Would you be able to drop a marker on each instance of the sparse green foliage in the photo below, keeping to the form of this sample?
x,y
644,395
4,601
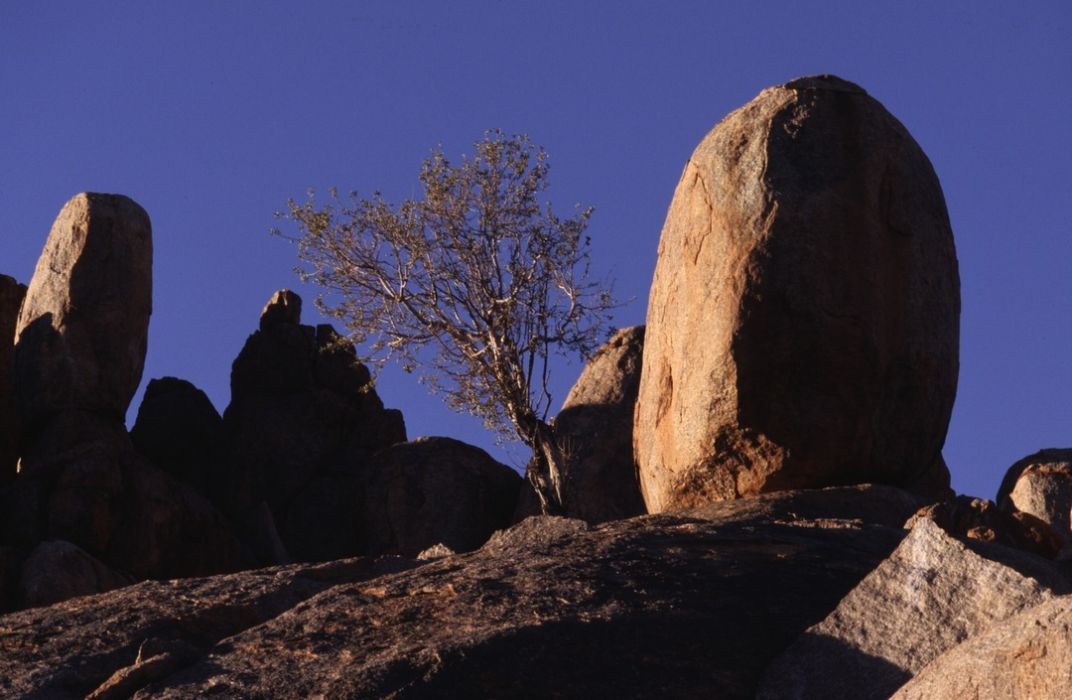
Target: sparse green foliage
x,y
473,286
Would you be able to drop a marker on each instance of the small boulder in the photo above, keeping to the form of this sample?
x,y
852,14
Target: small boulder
x,y
179,430
802,327
595,425
898,619
56,570
284,307
82,331
980,519
1028,655
1041,485
11,294
435,490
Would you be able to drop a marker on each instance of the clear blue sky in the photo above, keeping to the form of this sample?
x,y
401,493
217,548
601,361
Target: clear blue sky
x,y
211,114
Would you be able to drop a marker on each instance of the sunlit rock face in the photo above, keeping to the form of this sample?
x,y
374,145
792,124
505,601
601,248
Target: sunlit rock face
x,y
83,329
802,327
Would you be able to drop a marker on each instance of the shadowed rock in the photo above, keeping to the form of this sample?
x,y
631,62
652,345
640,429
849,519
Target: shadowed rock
x,y
11,294
596,423
303,419
179,430
58,570
802,327
435,490
86,484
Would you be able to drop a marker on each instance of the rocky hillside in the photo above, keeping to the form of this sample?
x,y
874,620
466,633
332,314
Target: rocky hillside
x,y
758,502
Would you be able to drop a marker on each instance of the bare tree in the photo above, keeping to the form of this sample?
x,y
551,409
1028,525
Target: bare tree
x,y
473,286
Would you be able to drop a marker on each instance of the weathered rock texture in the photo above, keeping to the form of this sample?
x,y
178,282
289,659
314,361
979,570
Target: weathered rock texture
x,y
980,519
803,320
70,649
304,417
11,294
928,596
1026,656
83,327
434,490
596,425
657,606
1041,485
58,570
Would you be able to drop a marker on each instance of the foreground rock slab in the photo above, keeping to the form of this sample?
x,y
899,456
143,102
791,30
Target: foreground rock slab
x,y
807,255
70,649
1026,656
656,606
932,593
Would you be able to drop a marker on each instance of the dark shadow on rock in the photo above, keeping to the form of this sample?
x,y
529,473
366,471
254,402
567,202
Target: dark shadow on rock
x,y
843,661
37,386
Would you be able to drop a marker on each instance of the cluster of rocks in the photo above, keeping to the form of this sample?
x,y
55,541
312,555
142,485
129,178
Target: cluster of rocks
x,y
304,465
758,502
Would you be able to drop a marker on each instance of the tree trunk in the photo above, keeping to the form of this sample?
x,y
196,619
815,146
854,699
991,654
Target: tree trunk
x,y
544,470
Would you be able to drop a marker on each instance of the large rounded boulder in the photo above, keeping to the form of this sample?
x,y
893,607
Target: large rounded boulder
x,y
802,327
